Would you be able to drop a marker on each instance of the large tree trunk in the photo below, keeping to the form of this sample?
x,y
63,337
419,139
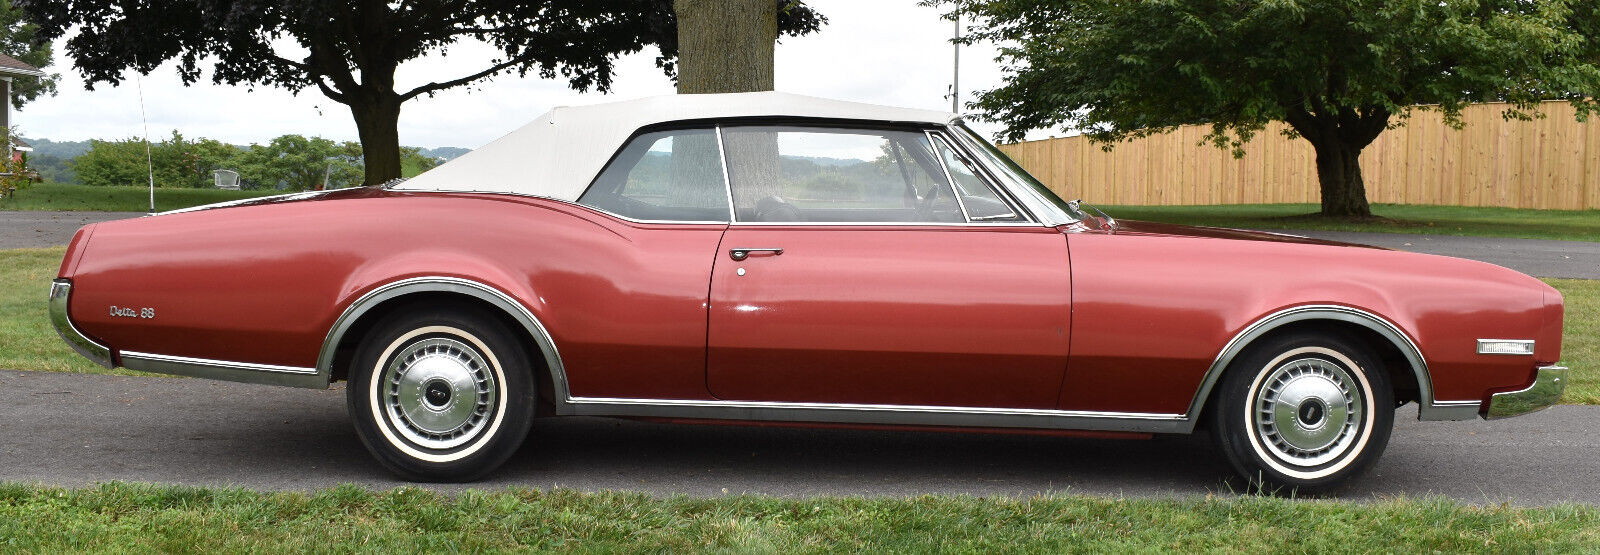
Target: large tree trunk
x,y
378,122
725,45
1344,193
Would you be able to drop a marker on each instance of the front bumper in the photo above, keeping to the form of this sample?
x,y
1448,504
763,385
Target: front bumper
x,y
60,292
1545,391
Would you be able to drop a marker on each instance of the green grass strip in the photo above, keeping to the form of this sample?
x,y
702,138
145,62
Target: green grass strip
x,y
143,518
60,196
1570,225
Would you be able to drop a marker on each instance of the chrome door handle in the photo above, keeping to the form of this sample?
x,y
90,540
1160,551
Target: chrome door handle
x,y
743,253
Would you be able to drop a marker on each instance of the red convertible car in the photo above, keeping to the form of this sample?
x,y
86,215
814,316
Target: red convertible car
x,y
768,257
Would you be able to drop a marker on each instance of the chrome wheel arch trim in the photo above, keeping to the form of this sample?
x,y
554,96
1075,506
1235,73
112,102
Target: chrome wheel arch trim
x,y
1429,408
442,284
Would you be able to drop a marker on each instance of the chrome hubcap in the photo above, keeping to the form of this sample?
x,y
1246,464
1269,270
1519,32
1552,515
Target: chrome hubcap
x,y
438,392
1306,412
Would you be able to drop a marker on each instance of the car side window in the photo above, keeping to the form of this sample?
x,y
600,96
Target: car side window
x,y
983,204
664,175
794,174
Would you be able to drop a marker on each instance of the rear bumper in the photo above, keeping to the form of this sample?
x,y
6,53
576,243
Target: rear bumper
x,y
1545,391
60,293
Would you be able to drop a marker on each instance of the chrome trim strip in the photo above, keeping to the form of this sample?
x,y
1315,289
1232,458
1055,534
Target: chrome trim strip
x,y
1544,391
891,224
251,366
1521,342
60,299
924,415
1040,209
225,370
1429,409
709,222
999,191
1454,410
230,203
443,284
933,149
727,180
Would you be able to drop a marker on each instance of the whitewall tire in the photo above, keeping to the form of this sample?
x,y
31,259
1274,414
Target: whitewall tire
x,y
441,394
1303,412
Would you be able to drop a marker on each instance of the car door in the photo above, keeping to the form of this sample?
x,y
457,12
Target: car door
x,y
854,274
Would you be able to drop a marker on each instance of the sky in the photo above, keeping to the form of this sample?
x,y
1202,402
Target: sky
x,y
890,52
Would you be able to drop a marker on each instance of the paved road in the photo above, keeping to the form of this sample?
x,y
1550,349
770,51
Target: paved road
x,y
71,430
1537,257
29,228
1543,258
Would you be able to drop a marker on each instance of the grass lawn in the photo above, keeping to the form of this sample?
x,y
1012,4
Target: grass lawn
x,y
142,518
1580,339
1572,225
29,343
60,196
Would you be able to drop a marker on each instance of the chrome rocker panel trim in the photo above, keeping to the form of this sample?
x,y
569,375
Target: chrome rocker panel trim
x,y
1544,391
1430,409
908,415
60,296
266,374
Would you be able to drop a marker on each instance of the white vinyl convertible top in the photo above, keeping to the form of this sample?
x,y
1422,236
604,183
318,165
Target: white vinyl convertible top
x,y
558,154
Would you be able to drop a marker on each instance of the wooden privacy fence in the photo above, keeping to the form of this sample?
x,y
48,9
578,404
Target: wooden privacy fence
x,y
1551,163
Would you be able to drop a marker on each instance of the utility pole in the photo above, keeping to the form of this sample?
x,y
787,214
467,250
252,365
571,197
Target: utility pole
x,y
955,79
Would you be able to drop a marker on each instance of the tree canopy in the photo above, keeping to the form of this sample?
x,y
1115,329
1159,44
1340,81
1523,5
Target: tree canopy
x,y
290,162
1338,72
350,50
19,39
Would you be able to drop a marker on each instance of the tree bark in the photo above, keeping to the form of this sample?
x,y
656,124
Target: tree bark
x,y
725,46
1344,193
378,123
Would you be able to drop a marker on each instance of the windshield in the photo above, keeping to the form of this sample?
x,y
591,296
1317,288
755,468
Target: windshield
x,y
1018,178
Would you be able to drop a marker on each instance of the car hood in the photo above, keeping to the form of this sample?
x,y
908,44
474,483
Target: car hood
x,y
1136,227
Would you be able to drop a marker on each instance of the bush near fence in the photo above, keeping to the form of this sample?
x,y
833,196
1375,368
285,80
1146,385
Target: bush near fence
x,y
1548,163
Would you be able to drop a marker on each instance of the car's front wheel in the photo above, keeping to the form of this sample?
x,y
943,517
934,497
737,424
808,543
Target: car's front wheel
x,y
1303,411
441,394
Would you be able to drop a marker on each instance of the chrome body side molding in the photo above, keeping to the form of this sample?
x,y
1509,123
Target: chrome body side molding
x,y
60,296
441,284
1430,409
909,415
245,372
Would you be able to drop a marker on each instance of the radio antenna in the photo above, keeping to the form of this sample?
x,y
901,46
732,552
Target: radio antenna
x,y
148,163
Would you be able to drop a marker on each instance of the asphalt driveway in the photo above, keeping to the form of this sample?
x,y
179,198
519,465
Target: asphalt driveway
x,y
33,228
73,430
1535,257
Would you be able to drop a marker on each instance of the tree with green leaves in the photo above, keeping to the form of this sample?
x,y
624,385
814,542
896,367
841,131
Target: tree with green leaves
x,y
20,39
1338,72
350,51
174,162
299,163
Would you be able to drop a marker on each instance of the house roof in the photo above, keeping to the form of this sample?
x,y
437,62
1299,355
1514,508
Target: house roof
x,y
558,154
12,67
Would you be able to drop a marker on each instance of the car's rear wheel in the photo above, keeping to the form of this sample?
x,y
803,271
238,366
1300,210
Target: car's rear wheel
x,y
1303,412
441,394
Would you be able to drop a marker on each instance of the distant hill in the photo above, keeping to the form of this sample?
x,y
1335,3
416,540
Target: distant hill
x,y
51,158
445,152
65,150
